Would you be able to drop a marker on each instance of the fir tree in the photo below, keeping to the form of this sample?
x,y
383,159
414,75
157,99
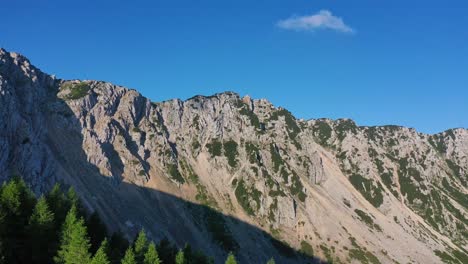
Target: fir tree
x,y
151,255
101,257
141,244
271,261
129,257
58,204
41,233
74,247
67,227
180,259
231,259
17,203
77,249
16,198
73,198
28,234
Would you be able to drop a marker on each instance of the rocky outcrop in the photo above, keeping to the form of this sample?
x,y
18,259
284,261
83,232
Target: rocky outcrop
x,y
353,194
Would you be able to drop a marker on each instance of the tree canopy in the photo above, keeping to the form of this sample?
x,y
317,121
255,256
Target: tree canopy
x,y
57,229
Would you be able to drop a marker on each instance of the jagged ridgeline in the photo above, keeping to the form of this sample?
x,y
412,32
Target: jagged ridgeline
x,y
227,173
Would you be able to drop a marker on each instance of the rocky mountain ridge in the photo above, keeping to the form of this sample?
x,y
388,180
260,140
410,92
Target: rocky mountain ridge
x,y
230,173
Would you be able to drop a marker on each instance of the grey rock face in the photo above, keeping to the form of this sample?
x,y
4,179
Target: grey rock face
x,y
389,193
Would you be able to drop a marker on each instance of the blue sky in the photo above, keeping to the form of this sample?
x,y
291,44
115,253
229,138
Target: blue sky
x,y
398,62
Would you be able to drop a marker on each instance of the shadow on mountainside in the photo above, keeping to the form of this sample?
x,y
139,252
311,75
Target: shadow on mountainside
x,y
204,229
121,205
128,207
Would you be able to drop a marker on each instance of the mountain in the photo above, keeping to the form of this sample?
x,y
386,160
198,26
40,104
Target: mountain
x,y
229,173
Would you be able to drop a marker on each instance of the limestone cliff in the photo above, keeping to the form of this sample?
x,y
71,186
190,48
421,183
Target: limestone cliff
x,y
231,173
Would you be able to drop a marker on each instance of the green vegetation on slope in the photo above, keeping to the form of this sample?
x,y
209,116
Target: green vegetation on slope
x,y
275,158
457,257
306,248
252,152
437,141
366,187
292,127
345,126
323,132
297,188
244,110
230,151
367,219
458,196
76,90
456,171
361,254
245,195
407,177
215,148
174,172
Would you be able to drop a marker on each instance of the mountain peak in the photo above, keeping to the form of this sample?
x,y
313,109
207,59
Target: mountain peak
x,y
230,173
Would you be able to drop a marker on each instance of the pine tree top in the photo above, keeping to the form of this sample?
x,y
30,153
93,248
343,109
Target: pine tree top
x,y
129,257
231,259
101,257
180,258
151,256
41,214
141,244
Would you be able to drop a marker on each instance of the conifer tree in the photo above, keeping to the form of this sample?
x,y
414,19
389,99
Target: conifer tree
x,y
101,256
231,259
58,204
180,258
129,257
28,228
41,233
151,255
17,203
72,197
141,244
74,246
17,198
67,227
77,250
271,261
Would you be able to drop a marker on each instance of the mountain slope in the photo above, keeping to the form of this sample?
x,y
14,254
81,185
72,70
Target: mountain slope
x,y
227,173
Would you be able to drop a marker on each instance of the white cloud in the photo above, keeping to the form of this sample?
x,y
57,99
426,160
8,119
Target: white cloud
x,y
324,19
